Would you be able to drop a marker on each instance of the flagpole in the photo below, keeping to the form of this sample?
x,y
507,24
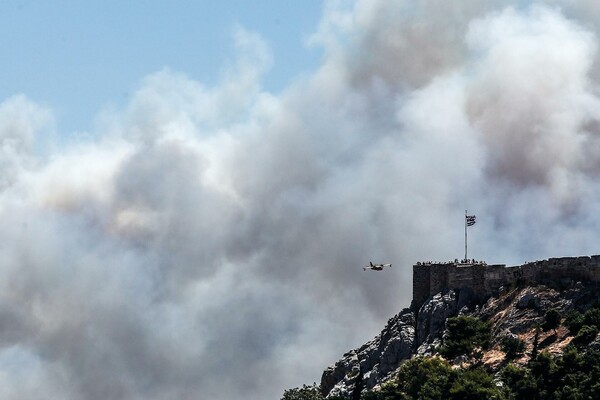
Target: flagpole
x,y
465,235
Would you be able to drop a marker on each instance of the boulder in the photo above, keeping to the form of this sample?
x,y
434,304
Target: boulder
x,y
528,300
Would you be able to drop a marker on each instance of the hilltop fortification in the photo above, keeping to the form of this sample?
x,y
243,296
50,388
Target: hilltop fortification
x,y
444,289
485,280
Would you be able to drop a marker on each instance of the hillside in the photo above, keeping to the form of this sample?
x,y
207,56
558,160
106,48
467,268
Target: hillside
x,y
520,323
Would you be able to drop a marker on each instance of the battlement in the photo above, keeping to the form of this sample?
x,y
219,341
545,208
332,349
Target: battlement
x,y
485,280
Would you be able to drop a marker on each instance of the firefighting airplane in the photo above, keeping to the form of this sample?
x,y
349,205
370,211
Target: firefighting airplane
x,y
376,267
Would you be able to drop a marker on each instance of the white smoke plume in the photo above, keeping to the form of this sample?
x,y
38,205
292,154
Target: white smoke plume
x,y
208,242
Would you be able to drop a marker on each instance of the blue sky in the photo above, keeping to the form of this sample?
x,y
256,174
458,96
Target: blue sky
x,y
77,57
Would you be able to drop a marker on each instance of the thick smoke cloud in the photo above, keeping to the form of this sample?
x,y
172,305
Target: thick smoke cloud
x,y
208,242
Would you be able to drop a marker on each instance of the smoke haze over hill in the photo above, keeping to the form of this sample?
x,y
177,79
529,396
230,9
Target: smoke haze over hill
x,y
207,242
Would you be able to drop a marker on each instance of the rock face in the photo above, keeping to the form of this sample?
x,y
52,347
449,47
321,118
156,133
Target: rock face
x,y
363,368
404,335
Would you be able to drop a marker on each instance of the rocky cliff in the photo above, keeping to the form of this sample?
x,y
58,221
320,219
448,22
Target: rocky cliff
x,y
517,312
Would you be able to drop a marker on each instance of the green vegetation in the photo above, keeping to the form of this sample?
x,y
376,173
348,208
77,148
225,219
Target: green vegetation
x,y
574,375
512,346
592,317
585,335
425,378
536,343
312,392
474,384
552,320
518,382
434,379
574,322
465,334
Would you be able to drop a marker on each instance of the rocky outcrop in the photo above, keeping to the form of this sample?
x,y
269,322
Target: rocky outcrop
x,y
517,312
404,335
432,316
365,367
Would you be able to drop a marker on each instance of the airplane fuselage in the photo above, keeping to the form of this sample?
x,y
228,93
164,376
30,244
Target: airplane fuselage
x,y
376,267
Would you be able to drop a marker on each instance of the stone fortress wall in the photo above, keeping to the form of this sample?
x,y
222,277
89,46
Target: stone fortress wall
x,y
485,280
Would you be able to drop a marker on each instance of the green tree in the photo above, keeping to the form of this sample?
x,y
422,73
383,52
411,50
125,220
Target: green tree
x,y
552,320
574,322
312,392
425,379
388,391
585,335
475,384
590,368
464,334
512,346
592,317
518,383
536,344
543,370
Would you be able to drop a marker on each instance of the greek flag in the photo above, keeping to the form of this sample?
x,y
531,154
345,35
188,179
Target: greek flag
x,y
470,220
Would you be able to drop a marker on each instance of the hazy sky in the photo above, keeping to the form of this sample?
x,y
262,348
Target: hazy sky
x,y
188,193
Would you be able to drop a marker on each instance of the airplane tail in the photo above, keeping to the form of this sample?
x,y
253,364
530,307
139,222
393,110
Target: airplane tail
x,y
371,262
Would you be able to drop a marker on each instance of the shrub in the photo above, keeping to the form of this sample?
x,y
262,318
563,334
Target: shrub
x,y
464,334
573,376
424,378
551,320
388,391
574,322
585,335
312,392
519,381
512,346
474,384
592,317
